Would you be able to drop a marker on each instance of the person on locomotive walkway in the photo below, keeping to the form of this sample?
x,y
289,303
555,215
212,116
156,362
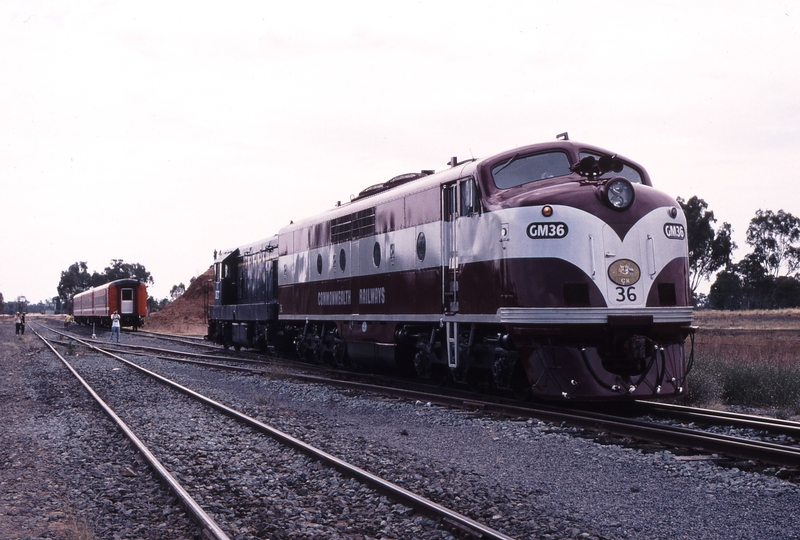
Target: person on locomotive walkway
x,y
17,321
114,326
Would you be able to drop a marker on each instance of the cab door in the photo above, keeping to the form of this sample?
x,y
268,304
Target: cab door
x,y
450,269
450,248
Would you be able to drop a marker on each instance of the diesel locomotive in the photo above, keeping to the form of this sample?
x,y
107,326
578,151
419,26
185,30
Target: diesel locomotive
x,y
554,270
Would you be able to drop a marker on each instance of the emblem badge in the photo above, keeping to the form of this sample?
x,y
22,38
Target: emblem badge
x,y
624,272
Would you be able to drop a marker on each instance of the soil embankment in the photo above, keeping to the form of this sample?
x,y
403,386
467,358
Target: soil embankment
x,y
187,314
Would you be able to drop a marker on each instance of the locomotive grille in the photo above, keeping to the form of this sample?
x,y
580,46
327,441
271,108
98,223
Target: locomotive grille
x,y
351,226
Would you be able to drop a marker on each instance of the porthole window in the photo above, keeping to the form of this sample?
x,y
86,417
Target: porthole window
x,y
376,255
342,260
319,263
421,246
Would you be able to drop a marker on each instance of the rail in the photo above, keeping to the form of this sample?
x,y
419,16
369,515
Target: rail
x,y
192,507
381,485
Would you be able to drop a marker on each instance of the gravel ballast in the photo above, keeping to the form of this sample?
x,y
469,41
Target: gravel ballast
x,y
526,478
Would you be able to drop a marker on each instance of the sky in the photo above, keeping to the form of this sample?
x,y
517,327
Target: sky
x,y
157,132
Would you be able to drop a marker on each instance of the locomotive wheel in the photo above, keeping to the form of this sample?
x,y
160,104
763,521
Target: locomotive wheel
x,y
317,352
422,365
339,353
520,386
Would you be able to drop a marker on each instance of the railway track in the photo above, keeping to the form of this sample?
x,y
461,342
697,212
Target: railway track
x,y
463,524
716,417
760,440
785,453
210,528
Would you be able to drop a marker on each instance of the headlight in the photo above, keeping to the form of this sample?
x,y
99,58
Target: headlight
x,y
618,194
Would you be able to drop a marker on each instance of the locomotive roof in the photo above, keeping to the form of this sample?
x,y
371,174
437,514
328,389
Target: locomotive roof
x,y
267,244
403,185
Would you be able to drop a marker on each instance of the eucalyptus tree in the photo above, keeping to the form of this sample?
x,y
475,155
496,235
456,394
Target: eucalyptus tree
x,y
709,250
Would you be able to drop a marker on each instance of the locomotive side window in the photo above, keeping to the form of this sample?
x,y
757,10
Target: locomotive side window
x,y
421,246
469,197
519,170
376,255
628,172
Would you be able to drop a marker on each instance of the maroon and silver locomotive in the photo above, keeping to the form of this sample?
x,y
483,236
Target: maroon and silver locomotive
x,y
554,269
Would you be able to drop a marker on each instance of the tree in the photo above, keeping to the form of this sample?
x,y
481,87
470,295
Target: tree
x,y
757,284
786,293
726,291
708,250
2,303
121,270
776,241
78,279
177,291
75,279
154,305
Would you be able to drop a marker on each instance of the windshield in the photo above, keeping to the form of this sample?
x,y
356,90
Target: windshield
x,y
627,172
518,170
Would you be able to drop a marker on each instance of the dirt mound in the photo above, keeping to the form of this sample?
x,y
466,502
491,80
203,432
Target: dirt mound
x,y
187,314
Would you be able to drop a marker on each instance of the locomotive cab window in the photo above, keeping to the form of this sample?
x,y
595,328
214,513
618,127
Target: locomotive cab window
x,y
518,170
627,172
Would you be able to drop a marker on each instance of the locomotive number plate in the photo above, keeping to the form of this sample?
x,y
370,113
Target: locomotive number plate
x,y
547,230
674,231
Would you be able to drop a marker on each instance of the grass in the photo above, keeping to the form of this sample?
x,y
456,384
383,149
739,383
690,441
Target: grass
x,y
747,359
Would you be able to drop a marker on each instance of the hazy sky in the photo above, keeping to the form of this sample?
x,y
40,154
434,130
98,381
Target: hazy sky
x,y
156,132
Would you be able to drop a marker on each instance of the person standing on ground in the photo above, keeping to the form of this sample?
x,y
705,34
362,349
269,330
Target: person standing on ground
x,y
22,324
114,326
17,322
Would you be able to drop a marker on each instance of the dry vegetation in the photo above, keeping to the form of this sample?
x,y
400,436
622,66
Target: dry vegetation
x,y
777,319
747,358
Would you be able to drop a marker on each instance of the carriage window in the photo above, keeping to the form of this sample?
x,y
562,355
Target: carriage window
x,y
628,172
127,294
518,170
